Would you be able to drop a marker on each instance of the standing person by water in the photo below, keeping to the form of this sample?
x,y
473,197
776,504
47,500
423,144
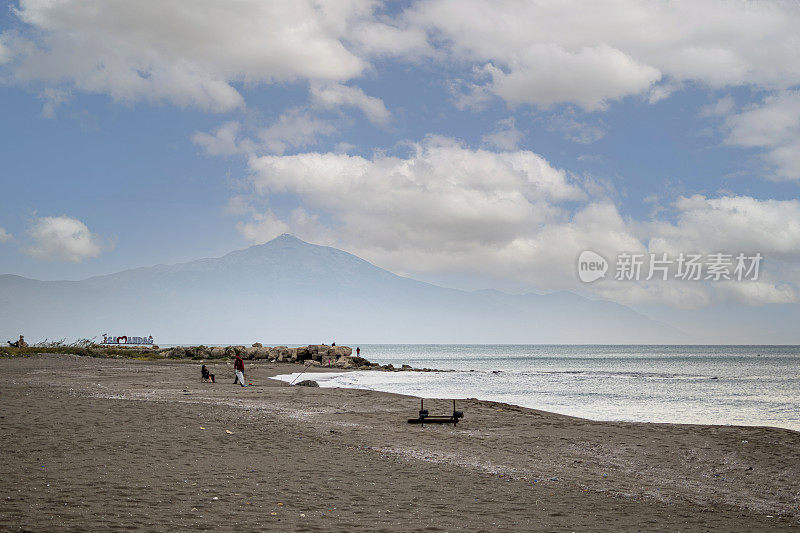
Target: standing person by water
x,y
238,368
358,351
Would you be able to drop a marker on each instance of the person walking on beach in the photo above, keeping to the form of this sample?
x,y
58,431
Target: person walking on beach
x,y
238,368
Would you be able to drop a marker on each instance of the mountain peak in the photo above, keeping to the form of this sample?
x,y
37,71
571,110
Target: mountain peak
x,y
288,237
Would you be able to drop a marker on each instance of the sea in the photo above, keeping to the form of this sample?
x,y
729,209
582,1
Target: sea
x,y
728,385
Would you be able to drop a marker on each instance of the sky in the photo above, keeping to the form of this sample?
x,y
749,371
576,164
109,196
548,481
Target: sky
x,y
471,143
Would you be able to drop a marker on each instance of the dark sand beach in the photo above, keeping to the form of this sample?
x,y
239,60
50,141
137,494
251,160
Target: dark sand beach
x,y
112,444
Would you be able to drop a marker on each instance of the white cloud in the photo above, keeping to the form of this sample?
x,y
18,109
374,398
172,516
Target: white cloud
x,y
188,53
5,50
5,236
395,38
510,214
197,53
722,107
505,137
773,126
333,95
262,228
444,197
223,141
759,292
547,74
575,130
265,226
53,98
295,128
730,223
62,238
591,53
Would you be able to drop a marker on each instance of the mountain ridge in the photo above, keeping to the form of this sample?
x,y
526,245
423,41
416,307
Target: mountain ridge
x,y
291,290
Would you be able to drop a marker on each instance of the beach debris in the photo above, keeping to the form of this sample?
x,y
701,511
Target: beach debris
x,y
302,515
201,427
274,513
229,432
424,416
308,383
215,498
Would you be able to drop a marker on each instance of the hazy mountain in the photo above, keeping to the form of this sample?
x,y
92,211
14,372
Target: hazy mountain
x,y
288,291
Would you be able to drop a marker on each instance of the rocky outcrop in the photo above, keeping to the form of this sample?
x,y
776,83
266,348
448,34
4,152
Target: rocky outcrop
x,y
319,353
311,355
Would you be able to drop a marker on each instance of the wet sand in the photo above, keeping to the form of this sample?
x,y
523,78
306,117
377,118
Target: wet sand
x,y
110,444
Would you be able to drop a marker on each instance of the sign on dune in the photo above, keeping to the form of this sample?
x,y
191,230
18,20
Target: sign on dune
x,y
124,339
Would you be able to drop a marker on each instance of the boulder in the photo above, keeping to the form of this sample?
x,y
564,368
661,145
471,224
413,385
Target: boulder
x,y
308,383
261,353
359,361
345,362
317,348
177,352
217,352
303,353
257,345
341,350
201,352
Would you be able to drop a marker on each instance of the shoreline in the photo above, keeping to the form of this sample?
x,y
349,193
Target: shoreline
x,y
309,374
504,467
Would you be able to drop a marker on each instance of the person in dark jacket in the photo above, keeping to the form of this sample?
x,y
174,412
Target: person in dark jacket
x,y
238,368
207,376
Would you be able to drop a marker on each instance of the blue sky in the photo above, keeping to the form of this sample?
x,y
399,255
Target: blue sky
x,y
470,143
